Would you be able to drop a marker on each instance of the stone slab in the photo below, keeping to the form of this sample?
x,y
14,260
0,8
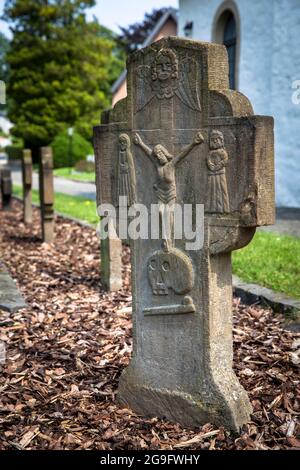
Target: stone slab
x,y
280,303
10,298
254,293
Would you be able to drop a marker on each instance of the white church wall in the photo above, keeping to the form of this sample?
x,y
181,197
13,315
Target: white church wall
x,y
269,62
286,70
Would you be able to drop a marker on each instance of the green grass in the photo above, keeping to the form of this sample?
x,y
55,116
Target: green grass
x,y
271,260
77,207
70,173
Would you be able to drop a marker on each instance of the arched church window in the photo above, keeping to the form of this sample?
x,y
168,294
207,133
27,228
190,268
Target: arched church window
x,y
226,30
229,41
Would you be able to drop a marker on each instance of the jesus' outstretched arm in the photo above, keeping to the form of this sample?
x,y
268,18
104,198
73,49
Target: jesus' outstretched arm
x,y
138,141
198,139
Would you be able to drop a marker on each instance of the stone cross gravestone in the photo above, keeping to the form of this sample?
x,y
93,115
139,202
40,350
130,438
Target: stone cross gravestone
x,y
6,188
27,186
46,194
182,136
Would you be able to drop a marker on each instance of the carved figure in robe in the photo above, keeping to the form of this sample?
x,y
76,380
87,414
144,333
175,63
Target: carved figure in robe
x,y
126,180
218,201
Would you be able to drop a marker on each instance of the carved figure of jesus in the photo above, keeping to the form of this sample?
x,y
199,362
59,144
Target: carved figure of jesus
x,y
166,182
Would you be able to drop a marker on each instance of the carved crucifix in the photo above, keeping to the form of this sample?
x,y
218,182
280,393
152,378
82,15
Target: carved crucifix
x,y
165,185
181,368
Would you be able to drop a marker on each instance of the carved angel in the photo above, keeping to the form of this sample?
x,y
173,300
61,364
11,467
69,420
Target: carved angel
x,y
167,77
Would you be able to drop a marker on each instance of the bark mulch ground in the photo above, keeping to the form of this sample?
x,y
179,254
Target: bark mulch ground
x,y
65,353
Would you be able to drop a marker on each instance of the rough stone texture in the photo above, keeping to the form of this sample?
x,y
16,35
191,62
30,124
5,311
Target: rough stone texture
x,y
111,248
10,297
2,353
191,140
111,264
27,185
6,188
47,194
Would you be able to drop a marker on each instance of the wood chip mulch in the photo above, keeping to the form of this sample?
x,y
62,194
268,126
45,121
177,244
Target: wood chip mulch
x,y
65,353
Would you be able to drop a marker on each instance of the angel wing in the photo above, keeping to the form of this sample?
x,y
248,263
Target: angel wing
x,y
144,90
187,90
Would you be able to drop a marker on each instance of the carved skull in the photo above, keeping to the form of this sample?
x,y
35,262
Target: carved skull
x,y
170,270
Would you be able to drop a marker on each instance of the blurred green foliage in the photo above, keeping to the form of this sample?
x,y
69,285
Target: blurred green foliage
x,y
14,152
4,46
64,154
61,68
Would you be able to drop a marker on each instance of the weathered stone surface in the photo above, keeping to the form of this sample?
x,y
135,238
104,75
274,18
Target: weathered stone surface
x,y
6,188
2,353
27,186
189,140
10,297
111,264
47,194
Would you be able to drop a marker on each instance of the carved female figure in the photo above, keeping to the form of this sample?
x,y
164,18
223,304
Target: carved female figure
x,y
166,183
218,201
126,181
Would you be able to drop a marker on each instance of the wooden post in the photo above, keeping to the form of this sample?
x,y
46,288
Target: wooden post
x,y
6,188
27,186
47,194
